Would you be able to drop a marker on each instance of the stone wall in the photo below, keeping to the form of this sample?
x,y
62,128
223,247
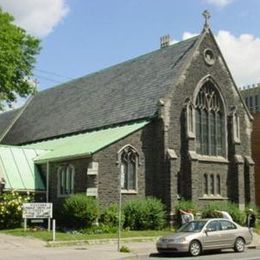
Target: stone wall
x,y
80,182
168,163
145,141
191,166
256,154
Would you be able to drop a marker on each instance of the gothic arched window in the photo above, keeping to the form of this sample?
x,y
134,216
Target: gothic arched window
x,y
212,184
128,168
210,121
66,180
235,125
205,184
218,185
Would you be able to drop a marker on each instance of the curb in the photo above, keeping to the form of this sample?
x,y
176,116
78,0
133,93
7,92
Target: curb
x,y
253,246
100,241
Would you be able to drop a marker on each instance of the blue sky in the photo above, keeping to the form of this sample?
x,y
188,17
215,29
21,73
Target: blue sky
x,y
84,36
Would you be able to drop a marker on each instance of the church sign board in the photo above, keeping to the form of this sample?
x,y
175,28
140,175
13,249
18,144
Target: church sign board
x,y
37,210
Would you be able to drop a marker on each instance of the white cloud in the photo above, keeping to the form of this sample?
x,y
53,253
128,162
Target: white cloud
x,y
220,3
37,17
187,35
242,55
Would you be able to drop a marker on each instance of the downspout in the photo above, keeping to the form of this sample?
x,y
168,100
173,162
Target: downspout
x,y
47,181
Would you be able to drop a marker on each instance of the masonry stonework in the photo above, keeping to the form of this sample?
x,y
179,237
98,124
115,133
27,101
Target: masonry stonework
x,y
145,111
191,171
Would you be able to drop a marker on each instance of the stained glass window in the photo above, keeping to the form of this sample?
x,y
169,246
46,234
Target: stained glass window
x,y
210,122
129,164
65,180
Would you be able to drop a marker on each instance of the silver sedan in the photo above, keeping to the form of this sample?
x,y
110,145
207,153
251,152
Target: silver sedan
x,y
206,234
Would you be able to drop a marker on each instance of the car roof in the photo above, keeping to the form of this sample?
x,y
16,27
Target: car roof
x,y
210,219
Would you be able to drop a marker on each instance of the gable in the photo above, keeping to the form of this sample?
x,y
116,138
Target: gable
x,y
198,70
122,93
221,70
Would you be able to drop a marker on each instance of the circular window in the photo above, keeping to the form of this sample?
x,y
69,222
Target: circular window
x,y
209,56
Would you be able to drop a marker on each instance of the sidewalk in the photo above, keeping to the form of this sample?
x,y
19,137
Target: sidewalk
x,y
13,248
138,246
140,249
256,242
133,240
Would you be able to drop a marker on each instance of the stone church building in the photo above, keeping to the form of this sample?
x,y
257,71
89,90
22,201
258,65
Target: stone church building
x,y
169,124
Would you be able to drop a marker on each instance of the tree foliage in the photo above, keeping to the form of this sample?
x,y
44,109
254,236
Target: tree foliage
x,y
17,58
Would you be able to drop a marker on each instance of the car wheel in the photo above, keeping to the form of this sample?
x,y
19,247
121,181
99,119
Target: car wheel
x,y
195,248
239,245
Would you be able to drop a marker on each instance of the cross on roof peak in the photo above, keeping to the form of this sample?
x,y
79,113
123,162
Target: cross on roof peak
x,y
206,15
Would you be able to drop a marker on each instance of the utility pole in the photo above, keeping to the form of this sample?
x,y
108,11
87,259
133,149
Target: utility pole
x,y
119,209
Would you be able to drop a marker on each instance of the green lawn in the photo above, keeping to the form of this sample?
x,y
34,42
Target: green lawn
x,y
61,236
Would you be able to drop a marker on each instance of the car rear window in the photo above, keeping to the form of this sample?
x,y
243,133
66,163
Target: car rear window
x,y
227,225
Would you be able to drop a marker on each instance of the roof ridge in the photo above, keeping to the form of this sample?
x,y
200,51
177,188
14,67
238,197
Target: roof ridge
x,y
117,64
123,93
22,108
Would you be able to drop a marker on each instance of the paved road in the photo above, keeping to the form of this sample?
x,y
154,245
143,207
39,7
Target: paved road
x,y
252,254
15,248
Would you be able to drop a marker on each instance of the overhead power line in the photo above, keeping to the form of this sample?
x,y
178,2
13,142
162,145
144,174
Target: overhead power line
x,y
53,74
48,79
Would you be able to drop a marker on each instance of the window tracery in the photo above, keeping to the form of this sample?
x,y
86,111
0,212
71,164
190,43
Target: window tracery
x,y
210,121
128,168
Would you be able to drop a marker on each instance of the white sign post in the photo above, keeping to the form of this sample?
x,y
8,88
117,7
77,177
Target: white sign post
x,y
53,230
37,211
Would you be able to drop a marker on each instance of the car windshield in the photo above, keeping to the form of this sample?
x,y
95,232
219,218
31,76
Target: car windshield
x,y
193,226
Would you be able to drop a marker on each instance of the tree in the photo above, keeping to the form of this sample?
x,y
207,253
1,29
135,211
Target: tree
x,y
17,58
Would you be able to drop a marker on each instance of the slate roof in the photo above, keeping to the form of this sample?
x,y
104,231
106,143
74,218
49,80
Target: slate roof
x,y
6,119
125,92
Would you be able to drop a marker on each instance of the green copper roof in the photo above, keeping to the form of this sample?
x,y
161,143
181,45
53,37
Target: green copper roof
x,y
83,145
18,169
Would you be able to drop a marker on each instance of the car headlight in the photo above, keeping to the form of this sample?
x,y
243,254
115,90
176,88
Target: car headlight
x,y
180,240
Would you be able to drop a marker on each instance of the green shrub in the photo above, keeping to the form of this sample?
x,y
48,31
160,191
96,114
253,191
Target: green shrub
x,y
11,209
186,205
124,249
144,214
79,211
237,215
109,217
